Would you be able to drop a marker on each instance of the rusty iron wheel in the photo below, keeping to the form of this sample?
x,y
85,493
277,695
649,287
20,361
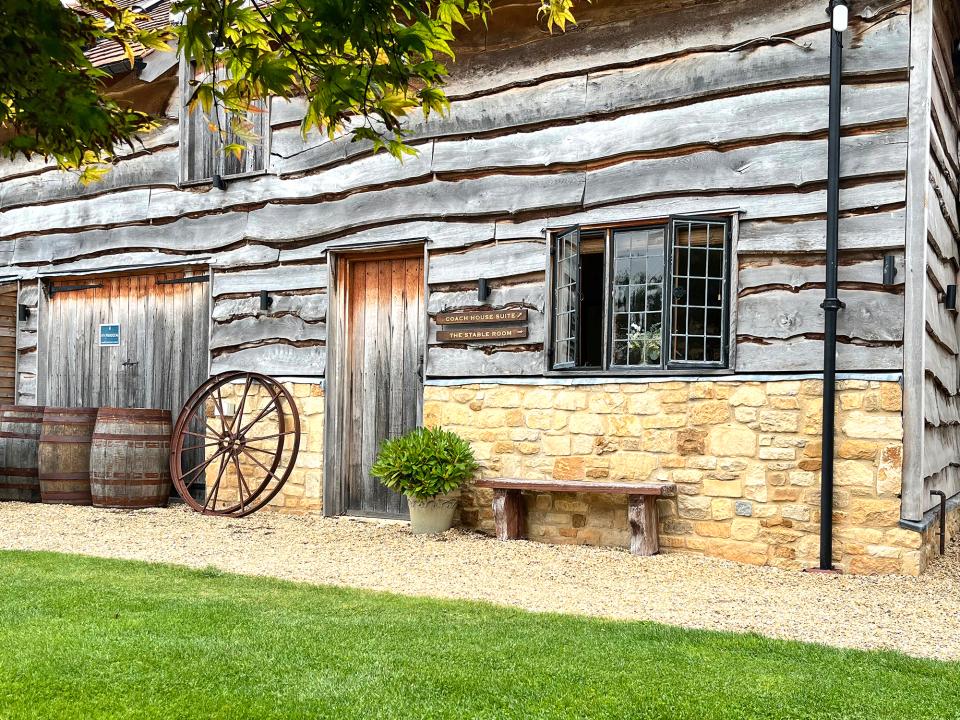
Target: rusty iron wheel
x,y
241,429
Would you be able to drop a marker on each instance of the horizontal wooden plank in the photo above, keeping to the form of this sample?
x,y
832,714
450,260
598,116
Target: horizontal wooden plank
x,y
580,486
275,359
308,307
273,279
490,261
754,205
789,165
523,51
875,231
787,270
806,354
479,362
265,327
868,315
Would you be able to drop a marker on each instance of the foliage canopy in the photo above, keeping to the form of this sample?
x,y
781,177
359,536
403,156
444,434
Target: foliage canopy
x,y
360,65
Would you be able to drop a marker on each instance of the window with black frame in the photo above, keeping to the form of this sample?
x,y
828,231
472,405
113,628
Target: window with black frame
x,y
646,298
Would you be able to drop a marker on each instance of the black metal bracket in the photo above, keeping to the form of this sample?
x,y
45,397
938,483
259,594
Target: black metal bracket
x,y
23,312
889,270
184,280
833,304
54,290
483,289
266,302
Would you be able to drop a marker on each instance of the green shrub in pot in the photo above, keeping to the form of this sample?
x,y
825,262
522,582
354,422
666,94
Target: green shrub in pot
x,y
428,465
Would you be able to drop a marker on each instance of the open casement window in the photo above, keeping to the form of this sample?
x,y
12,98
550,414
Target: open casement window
x,y
566,301
642,299
205,135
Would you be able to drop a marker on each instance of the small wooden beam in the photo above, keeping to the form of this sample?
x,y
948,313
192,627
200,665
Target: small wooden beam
x,y
508,514
642,514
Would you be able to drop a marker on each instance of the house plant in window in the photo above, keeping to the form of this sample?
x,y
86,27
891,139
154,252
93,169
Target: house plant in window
x,y
428,465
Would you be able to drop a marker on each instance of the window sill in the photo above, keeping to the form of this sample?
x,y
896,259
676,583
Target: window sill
x,y
658,374
227,178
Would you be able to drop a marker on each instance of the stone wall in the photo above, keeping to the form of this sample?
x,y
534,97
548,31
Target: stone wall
x,y
745,457
303,491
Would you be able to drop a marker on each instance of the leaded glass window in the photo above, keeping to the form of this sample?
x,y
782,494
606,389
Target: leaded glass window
x,y
637,297
659,293
698,263
566,302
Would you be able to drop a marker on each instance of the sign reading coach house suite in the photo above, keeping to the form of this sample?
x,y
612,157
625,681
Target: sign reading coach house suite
x,y
482,317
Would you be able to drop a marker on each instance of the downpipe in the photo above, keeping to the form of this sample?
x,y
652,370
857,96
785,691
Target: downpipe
x,y
832,305
943,519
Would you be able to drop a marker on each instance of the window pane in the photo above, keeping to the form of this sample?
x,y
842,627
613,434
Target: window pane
x,y
638,289
698,304
565,298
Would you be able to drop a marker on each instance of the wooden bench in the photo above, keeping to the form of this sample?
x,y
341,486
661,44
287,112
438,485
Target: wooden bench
x,y
508,507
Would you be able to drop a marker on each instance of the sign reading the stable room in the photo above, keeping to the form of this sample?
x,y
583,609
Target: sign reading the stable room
x,y
476,317
110,335
482,334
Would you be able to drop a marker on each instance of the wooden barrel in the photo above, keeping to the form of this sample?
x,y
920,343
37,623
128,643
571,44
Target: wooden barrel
x,y
19,438
130,458
64,455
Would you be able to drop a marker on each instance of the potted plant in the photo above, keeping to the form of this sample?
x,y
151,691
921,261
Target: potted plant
x,y
647,342
428,465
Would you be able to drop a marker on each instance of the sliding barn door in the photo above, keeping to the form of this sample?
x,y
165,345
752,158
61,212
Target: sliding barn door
x,y
382,364
125,341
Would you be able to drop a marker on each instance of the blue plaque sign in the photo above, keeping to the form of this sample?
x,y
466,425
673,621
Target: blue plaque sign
x,y
110,335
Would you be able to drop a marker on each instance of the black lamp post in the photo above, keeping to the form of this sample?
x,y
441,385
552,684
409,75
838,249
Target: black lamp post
x,y
839,17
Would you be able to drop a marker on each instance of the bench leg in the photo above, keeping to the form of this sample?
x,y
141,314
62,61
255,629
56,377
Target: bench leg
x,y
508,513
642,514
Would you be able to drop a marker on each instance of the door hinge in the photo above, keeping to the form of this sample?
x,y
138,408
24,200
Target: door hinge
x,y
184,280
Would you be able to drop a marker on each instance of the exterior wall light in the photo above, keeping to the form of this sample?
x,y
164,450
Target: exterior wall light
x,y
840,12
950,297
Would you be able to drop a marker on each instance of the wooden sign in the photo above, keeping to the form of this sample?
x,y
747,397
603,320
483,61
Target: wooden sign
x,y
477,317
482,334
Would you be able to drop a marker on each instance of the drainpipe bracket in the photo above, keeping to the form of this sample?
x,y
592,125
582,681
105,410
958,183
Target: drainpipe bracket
x,y
833,304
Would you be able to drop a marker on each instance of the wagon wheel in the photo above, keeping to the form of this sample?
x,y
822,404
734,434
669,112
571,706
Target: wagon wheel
x,y
243,431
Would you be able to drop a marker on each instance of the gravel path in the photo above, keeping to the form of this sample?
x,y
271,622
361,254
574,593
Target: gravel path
x,y
918,616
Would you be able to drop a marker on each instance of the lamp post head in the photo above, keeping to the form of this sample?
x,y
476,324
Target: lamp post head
x,y
839,15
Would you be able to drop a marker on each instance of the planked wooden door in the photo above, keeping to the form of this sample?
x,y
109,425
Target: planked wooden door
x,y
8,343
382,366
162,355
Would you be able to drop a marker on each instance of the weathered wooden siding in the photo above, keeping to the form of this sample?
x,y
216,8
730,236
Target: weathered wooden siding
x,y
941,389
649,108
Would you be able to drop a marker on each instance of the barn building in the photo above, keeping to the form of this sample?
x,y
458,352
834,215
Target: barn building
x,y
606,262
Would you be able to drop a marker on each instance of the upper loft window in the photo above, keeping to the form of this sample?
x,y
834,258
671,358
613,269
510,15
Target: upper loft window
x,y
649,298
217,142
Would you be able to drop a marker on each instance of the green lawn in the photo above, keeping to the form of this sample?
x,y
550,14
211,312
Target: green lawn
x,y
86,638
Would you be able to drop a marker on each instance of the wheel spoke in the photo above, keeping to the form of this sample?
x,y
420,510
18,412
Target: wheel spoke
x,y
237,418
204,464
262,466
258,418
216,486
240,483
270,437
197,447
261,450
218,401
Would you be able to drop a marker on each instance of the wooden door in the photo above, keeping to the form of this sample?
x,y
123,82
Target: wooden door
x,y
8,343
382,364
163,339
